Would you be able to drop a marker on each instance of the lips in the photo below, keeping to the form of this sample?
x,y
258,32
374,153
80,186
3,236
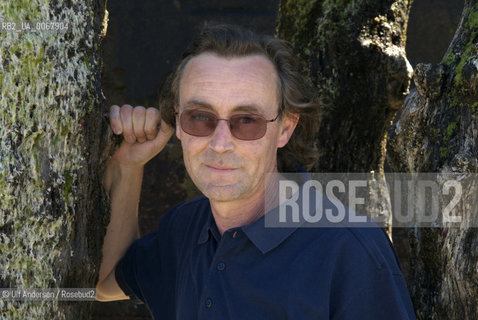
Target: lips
x,y
216,166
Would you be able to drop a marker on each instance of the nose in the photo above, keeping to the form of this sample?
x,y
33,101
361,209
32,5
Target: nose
x,y
221,140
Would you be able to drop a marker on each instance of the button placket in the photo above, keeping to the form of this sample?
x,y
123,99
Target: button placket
x,y
210,288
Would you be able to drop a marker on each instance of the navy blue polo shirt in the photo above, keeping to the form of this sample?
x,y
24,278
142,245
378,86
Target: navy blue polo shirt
x,y
186,270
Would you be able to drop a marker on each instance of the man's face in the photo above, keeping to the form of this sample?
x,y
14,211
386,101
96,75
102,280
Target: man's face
x,y
223,167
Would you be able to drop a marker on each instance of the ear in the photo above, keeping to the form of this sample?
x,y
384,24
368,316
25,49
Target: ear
x,y
287,127
178,128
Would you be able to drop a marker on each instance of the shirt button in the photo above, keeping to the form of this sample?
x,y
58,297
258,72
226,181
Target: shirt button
x,y
221,266
208,303
234,234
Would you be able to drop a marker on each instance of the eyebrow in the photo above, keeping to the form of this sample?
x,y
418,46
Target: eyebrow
x,y
197,103
246,108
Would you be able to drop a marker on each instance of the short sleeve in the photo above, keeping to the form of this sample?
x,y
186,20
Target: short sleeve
x,y
371,285
384,296
126,275
141,263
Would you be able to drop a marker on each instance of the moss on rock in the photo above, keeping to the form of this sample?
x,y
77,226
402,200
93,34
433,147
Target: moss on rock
x,y
49,80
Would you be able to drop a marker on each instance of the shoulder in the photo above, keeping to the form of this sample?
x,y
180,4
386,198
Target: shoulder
x,y
368,271
349,246
376,245
345,261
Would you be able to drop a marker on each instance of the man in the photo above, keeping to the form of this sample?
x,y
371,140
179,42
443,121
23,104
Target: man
x,y
240,109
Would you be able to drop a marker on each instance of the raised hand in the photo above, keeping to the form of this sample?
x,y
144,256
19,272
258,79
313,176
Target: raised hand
x,y
145,135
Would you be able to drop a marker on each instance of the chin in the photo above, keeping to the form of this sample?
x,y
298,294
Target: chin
x,y
223,193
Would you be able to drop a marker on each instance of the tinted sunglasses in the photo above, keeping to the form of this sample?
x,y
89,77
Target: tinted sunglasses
x,y
201,123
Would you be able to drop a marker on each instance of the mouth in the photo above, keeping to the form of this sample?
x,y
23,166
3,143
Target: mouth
x,y
219,168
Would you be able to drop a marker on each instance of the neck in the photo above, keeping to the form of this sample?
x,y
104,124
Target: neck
x,y
241,212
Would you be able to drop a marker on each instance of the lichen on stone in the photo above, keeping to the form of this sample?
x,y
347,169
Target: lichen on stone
x,y
46,90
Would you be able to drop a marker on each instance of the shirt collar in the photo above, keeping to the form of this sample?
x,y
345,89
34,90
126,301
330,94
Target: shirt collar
x,y
266,233
204,234
209,228
264,238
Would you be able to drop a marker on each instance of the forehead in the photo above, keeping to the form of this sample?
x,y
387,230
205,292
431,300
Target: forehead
x,y
221,81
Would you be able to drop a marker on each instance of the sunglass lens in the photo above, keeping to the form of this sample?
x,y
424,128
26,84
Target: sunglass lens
x,y
248,126
198,123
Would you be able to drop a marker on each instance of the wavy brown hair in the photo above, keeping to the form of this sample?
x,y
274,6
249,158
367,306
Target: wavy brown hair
x,y
296,95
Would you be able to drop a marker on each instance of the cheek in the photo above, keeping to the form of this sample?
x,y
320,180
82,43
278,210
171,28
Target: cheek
x,y
191,146
260,155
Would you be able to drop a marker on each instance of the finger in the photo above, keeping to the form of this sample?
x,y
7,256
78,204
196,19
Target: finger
x,y
127,122
165,133
166,129
139,114
115,120
152,122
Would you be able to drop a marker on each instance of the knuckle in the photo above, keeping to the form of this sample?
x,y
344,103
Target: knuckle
x,y
152,112
114,112
139,115
139,110
125,111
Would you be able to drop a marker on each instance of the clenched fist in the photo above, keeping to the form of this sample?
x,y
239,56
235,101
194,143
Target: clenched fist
x,y
145,135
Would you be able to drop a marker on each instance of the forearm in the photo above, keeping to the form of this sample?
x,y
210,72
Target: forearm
x,y
122,181
123,184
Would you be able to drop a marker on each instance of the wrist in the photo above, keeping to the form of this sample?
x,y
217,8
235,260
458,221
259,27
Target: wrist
x,y
127,169
117,173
